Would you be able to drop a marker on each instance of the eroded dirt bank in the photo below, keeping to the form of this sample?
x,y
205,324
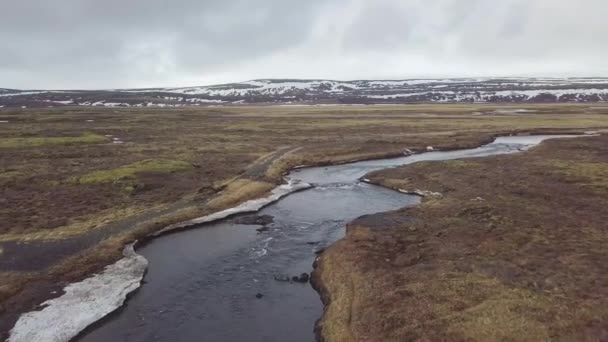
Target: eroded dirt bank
x,y
513,250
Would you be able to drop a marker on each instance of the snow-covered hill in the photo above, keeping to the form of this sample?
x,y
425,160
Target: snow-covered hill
x,y
291,91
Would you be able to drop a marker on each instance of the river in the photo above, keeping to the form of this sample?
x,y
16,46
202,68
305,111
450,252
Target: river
x,y
219,282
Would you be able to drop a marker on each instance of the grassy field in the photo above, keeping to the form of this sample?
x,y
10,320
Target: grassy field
x,y
71,172
512,250
62,166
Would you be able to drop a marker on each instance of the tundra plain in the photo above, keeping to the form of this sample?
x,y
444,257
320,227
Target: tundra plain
x,y
89,180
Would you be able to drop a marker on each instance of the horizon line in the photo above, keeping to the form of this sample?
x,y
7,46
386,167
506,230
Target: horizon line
x,y
313,79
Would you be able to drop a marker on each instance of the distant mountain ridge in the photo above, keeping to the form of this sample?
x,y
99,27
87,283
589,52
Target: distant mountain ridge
x,y
298,91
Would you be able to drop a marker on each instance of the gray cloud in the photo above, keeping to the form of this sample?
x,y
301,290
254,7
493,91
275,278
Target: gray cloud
x,y
101,44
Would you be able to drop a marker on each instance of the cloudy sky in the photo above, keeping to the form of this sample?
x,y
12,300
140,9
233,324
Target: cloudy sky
x,y
137,43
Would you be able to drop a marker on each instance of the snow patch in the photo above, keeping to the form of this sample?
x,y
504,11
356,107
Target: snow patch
x,y
421,193
83,303
556,92
195,100
249,206
514,111
66,102
116,104
24,93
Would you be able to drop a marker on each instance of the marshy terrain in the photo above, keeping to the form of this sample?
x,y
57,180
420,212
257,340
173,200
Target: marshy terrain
x,y
80,183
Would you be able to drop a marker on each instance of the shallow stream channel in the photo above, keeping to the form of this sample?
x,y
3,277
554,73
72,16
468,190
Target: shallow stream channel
x,y
229,281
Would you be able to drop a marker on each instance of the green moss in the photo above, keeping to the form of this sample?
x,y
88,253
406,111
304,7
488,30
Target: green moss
x,y
24,142
130,171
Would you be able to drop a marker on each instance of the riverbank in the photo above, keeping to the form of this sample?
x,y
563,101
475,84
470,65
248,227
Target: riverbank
x,y
512,249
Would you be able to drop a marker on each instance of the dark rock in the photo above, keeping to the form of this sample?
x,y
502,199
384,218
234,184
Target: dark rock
x,y
259,295
262,229
257,220
303,278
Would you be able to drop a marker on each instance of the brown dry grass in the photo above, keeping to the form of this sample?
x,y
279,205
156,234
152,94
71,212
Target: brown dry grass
x,y
513,251
238,191
41,200
220,143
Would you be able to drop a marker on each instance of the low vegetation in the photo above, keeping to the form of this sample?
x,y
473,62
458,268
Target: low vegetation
x,y
130,171
35,141
64,177
238,191
513,250
593,175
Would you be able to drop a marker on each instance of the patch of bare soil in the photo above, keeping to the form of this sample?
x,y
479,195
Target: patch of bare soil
x,y
513,250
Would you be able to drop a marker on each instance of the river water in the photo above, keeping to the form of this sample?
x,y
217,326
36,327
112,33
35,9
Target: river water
x,y
203,284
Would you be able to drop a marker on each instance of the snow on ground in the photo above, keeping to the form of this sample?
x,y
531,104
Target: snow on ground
x,y
116,104
24,93
275,87
387,83
88,301
556,92
394,96
171,98
281,91
514,111
450,95
249,206
66,102
416,87
83,303
193,100
265,87
454,80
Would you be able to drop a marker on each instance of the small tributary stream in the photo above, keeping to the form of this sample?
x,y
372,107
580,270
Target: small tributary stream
x,y
203,284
